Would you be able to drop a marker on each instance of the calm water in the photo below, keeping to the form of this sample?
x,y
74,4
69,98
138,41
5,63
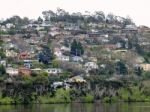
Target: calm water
x,y
119,107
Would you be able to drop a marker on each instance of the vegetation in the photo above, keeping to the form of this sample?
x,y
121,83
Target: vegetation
x,y
76,48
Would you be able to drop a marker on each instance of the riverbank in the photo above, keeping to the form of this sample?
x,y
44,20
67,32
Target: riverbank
x,y
69,96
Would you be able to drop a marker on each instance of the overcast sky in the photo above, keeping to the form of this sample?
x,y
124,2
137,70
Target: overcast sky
x,y
138,10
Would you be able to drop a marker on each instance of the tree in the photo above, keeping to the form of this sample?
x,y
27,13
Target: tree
x,y
2,70
55,63
2,54
45,56
76,48
48,15
138,71
40,20
100,16
80,48
110,18
121,68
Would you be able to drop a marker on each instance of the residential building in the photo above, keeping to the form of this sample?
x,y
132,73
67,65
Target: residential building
x,y
90,65
77,59
25,71
3,62
53,71
77,79
63,58
57,52
12,71
145,67
11,53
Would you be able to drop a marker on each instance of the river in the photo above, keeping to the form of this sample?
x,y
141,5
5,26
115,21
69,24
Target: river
x,y
78,107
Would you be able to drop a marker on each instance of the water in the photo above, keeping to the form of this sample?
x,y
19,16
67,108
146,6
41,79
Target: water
x,y
78,107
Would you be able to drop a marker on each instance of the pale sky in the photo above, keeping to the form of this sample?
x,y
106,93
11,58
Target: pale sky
x,y
138,10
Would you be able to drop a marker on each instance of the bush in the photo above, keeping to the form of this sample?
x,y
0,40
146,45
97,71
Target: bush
x,y
88,98
107,100
61,96
146,75
6,100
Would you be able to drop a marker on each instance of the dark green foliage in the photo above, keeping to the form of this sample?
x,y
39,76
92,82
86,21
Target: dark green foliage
x,y
76,48
146,75
17,21
40,20
2,55
147,57
121,68
45,56
66,43
2,70
138,71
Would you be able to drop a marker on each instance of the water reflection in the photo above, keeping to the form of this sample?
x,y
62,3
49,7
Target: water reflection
x,y
79,107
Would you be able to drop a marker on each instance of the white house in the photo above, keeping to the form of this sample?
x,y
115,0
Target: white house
x,y
63,48
12,71
63,58
131,27
77,79
57,52
54,33
54,71
3,62
77,59
90,65
10,25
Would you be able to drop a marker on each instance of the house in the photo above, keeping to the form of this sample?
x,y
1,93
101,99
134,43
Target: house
x,y
3,62
76,79
57,84
27,63
53,71
10,25
3,28
63,58
118,45
145,67
24,71
36,70
93,59
60,85
9,46
63,48
77,59
131,27
38,28
54,33
110,46
57,52
12,71
11,53
24,55
90,65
